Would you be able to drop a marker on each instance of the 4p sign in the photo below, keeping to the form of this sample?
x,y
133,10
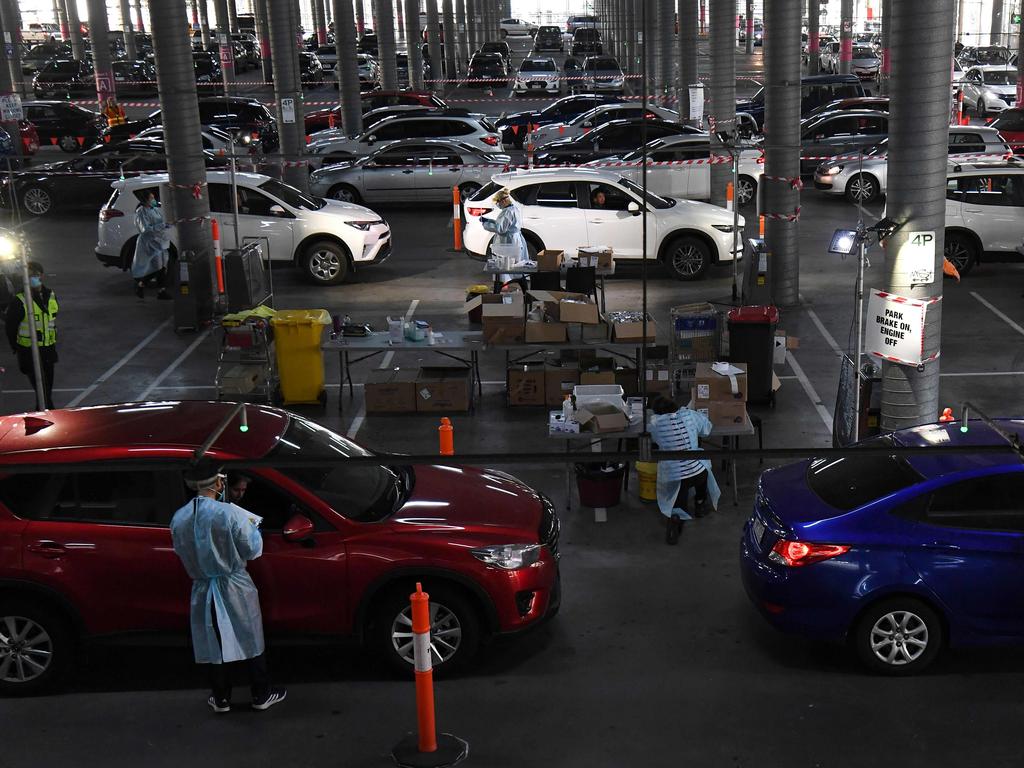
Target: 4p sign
x,y
895,328
915,264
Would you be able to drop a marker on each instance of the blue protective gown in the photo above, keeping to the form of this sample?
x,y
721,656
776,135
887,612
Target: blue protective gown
x,y
680,431
507,229
214,541
151,249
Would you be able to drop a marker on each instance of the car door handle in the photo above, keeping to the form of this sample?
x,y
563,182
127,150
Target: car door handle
x,y
407,171
48,549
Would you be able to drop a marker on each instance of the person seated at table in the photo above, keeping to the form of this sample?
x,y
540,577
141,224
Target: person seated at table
x,y
676,428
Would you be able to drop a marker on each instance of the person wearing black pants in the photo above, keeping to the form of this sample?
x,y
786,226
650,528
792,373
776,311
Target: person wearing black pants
x,y
16,324
220,674
700,485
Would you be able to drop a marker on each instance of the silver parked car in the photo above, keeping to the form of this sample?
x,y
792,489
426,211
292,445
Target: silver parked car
x,y
866,181
990,89
410,170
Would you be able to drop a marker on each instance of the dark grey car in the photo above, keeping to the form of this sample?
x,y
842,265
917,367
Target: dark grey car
x,y
410,170
837,133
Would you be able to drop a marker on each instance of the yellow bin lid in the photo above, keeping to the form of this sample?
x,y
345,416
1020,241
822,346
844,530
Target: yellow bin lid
x,y
301,317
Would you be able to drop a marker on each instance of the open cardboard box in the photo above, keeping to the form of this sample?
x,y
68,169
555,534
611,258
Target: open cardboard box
x,y
566,307
549,260
631,330
602,417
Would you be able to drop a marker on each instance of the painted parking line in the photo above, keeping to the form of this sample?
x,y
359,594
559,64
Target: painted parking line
x,y
829,339
174,365
812,395
998,312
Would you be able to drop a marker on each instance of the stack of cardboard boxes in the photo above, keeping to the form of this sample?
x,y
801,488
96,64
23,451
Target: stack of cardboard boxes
x,y
721,397
412,390
547,382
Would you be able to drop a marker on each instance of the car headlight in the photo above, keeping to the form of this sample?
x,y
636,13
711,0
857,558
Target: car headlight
x,y
364,225
725,227
832,170
511,557
618,81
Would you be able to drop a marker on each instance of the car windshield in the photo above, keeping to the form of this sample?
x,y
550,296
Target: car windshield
x,y
849,482
64,67
653,200
594,64
290,195
365,493
1001,78
538,65
864,53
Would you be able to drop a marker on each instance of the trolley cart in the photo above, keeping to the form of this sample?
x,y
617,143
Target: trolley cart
x,y
247,365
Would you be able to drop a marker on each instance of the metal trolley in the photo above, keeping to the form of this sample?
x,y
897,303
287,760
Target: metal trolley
x,y
247,364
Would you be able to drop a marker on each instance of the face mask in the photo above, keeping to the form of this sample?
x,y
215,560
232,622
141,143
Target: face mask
x,y
153,203
35,281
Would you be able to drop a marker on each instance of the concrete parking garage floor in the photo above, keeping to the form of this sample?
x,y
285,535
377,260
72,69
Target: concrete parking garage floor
x,y
656,658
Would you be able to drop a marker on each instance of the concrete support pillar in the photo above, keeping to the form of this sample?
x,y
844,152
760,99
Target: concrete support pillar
x,y
12,26
461,36
813,44
140,23
233,16
172,42
204,24
434,45
630,65
451,43
472,27
665,31
1020,63
414,43
688,25
385,13
960,21
996,31
320,22
263,31
885,70
649,22
360,17
348,67
74,28
916,192
749,21
60,18
782,147
99,38
194,8
224,46
126,28
845,37
723,90
288,90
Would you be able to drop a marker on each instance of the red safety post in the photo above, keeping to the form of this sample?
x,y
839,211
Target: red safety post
x,y
218,255
425,749
457,217
446,437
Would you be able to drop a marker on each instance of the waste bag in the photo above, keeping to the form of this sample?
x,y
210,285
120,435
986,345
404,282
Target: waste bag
x,y
600,483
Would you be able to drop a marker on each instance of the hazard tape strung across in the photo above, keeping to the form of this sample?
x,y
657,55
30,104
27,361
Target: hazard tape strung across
x,y
794,181
196,188
794,216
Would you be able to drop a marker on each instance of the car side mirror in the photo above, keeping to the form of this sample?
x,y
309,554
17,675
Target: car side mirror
x,y
588,124
277,210
298,529
633,208
370,140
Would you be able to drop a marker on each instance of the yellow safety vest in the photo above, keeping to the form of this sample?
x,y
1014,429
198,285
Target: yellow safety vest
x,y
46,323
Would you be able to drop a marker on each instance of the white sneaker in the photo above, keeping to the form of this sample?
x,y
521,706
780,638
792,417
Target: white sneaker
x,y
220,707
275,696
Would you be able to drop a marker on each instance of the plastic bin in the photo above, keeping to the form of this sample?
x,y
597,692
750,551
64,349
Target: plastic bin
x,y
300,361
600,485
647,480
752,341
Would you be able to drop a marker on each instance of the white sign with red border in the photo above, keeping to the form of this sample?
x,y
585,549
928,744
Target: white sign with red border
x,y
895,328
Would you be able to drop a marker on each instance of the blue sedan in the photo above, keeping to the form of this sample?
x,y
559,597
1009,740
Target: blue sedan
x,y
897,556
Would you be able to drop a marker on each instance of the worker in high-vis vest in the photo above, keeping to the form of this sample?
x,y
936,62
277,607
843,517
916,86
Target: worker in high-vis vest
x,y
44,309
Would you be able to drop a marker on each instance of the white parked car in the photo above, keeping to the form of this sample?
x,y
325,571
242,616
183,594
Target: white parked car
x,y
675,168
566,208
990,89
516,27
326,239
598,116
828,57
984,211
537,75
369,71
865,181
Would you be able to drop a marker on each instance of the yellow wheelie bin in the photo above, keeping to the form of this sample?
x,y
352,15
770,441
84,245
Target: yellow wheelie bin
x,y
300,361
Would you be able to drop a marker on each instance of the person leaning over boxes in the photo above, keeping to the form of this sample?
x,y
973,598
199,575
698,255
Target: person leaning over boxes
x,y
680,429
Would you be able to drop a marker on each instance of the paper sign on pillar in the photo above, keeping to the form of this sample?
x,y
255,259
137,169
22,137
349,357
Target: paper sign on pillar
x,y
895,328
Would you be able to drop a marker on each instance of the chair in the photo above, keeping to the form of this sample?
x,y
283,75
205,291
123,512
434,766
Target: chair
x,y
582,280
546,281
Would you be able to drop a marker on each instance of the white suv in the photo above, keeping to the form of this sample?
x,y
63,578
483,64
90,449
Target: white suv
x,y
563,209
984,211
537,74
327,239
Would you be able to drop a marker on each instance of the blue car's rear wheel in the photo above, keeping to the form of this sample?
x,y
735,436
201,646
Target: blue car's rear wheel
x,y
898,636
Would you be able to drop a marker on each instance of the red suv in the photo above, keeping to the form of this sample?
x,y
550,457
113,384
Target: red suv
x,y
86,553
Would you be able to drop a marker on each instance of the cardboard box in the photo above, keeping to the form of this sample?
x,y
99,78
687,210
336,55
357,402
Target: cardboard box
x,y
526,384
391,391
442,389
584,332
549,260
709,385
559,381
503,317
602,417
567,307
721,413
626,326
600,256
545,333
597,370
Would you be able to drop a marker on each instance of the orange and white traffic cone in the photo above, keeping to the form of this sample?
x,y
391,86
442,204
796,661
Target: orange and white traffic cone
x,y
425,749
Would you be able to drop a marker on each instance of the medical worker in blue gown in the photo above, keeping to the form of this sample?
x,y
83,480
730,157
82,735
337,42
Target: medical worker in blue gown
x,y
508,226
152,249
215,540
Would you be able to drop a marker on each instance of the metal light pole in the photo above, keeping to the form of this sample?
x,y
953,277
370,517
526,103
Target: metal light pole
x,y
348,67
916,193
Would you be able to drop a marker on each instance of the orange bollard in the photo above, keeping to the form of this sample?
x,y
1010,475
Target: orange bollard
x,y
760,226
457,217
218,255
947,416
446,436
729,192
425,750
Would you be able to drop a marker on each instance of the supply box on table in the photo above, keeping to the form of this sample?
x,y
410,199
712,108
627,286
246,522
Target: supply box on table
x,y
443,389
526,384
391,391
600,256
549,260
629,326
560,376
503,317
721,396
564,307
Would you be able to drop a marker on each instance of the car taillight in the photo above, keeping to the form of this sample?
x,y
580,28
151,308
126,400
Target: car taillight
x,y
106,214
798,553
477,211
491,141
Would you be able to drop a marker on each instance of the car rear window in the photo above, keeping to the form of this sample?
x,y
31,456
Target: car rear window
x,y
852,481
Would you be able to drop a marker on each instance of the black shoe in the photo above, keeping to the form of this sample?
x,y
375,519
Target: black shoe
x,y
673,528
163,295
140,291
274,696
220,706
700,510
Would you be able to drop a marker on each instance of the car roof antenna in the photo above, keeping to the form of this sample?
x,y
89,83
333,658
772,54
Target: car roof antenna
x,y
1012,438
237,410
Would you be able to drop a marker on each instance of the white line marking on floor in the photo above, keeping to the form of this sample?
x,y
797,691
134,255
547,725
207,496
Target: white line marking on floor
x,y
983,373
174,365
119,364
32,391
357,421
998,313
826,417
829,339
